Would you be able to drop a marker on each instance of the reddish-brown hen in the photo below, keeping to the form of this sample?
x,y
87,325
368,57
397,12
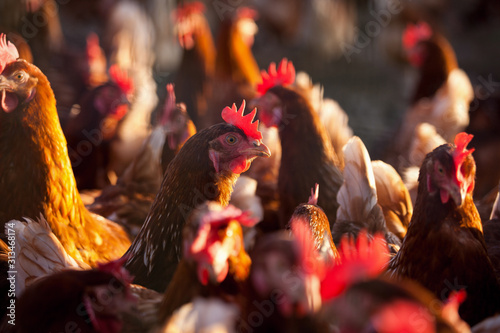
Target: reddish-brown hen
x,y
444,247
35,170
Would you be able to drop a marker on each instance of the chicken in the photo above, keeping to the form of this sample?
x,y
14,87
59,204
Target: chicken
x,y
95,72
393,306
93,126
35,171
38,254
307,156
393,197
357,197
88,301
205,168
284,290
444,247
236,70
387,305
316,219
214,259
197,66
443,93
129,200
129,42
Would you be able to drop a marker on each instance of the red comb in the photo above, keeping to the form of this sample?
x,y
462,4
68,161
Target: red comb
x,y
246,12
415,33
245,123
93,48
116,268
313,199
121,79
214,219
186,9
460,153
285,75
8,52
169,104
363,260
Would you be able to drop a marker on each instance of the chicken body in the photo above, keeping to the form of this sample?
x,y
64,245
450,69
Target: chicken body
x,y
441,96
198,60
87,301
444,248
35,170
90,133
307,154
205,168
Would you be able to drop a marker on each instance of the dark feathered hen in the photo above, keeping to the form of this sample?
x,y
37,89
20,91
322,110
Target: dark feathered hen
x,y
444,247
307,153
82,301
204,169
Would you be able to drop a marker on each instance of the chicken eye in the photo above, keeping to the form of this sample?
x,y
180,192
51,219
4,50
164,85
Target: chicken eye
x,y
20,76
231,139
440,170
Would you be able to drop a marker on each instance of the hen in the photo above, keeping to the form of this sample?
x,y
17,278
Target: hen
x,y
307,156
35,171
129,42
236,70
83,301
91,128
214,259
444,247
358,297
198,59
205,168
443,93
284,283
129,200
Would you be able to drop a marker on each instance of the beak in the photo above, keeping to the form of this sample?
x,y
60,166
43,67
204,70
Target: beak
x,y
259,149
456,192
4,83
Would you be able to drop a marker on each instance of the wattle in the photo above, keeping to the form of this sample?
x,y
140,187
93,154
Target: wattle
x,y
239,165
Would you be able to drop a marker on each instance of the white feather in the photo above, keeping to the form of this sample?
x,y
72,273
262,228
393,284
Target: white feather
x,y
38,252
358,195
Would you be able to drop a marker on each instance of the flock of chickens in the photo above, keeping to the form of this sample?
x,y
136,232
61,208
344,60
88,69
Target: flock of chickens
x,y
248,206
